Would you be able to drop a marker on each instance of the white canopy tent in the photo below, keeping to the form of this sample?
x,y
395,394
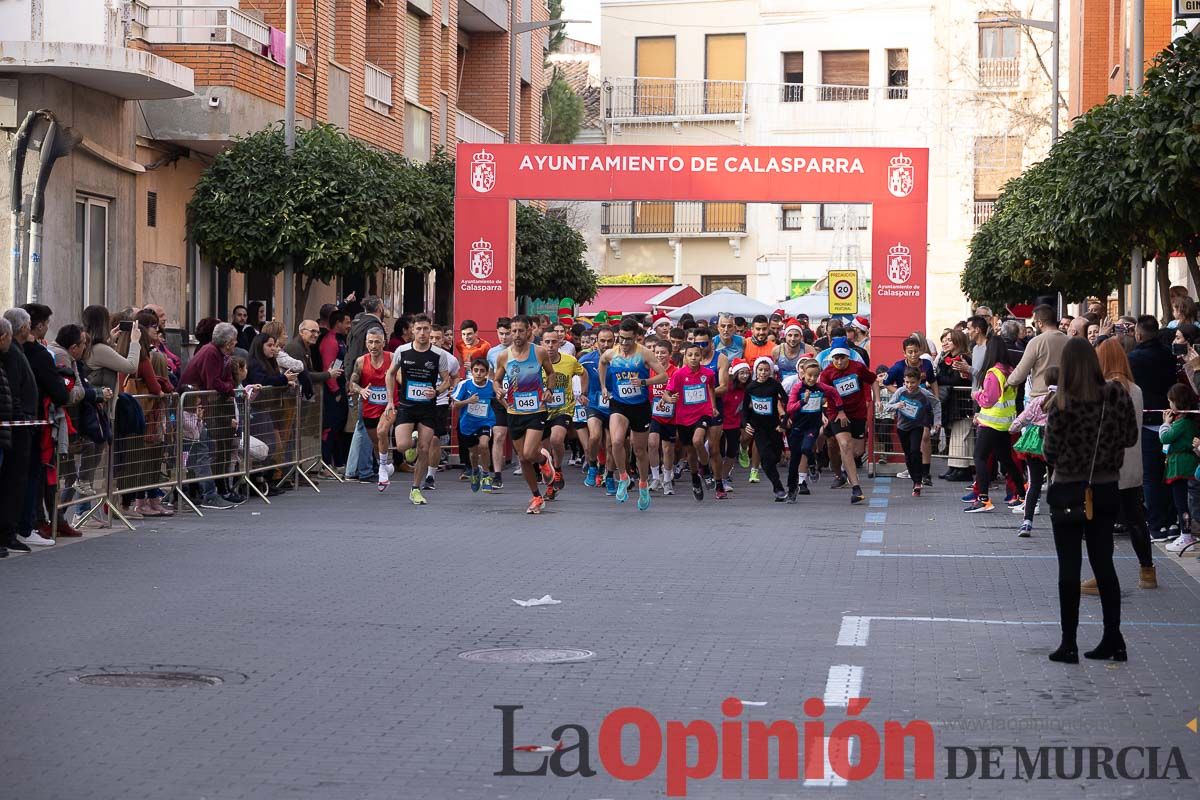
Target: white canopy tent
x,y
816,306
722,301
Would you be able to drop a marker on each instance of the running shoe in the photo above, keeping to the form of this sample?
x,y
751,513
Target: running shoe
x,y
416,497
475,479
547,469
590,479
781,495
970,497
697,487
721,494
916,490
668,487
656,484
559,481
744,458
856,495
610,485
550,493
517,469
1182,543
979,506
383,485
803,489
429,484
498,481
791,496
840,482
1163,535
1026,529
535,506
709,481
754,478
814,474
643,496
679,469
927,481
903,474
486,484
1016,501
1018,509
623,490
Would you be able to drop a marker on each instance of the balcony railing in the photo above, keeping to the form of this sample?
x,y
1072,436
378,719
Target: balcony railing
x,y
139,16
656,218
212,25
671,98
984,209
469,129
999,72
378,88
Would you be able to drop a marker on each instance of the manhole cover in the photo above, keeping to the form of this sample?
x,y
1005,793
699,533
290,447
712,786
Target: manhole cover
x,y
150,680
527,655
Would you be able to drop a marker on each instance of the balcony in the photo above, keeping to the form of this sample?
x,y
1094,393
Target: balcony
x,y
469,129
378,89
214,25
997,73
628,219
984,209
650,100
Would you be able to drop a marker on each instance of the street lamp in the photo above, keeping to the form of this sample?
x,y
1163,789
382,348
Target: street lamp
x,y
514,84
1053,26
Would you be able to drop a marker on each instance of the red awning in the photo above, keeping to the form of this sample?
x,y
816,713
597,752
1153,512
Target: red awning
x,y
634,298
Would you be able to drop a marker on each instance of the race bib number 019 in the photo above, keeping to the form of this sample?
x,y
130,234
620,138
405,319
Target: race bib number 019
x,y
378,396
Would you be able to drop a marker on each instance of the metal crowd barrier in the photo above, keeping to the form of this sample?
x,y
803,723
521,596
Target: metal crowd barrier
x,y
189,440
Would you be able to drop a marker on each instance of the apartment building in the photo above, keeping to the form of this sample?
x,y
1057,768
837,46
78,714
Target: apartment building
x,y
894,73
409,77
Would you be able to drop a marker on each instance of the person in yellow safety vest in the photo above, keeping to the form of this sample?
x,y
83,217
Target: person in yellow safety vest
x,y
997,410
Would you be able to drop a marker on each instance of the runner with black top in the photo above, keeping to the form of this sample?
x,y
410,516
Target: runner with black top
x,y
763,410
520,379
625,373
418,373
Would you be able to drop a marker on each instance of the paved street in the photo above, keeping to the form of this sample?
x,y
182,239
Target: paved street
x,y
336,623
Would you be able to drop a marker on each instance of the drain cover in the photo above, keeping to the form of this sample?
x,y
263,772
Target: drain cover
x,y
150,680
527,655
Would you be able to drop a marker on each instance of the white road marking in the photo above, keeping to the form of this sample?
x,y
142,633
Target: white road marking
x,y
844,682
854,631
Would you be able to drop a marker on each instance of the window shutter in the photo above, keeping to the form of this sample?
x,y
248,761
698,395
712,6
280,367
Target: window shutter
x,y
845,68
412,58
897,59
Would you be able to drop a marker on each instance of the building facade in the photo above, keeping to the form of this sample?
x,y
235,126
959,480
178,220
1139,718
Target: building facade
x,y
894,73
190,76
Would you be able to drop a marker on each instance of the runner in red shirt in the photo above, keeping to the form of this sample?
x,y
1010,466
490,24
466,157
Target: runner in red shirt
x,y
693,390
847,431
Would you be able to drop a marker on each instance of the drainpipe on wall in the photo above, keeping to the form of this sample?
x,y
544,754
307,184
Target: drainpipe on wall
x,y
56,143
16,159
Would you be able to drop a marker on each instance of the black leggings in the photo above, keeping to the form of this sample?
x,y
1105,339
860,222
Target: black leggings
x,y
770,448
910,444
1037,479
731,442
802,440
1133,517
989,442
1068,542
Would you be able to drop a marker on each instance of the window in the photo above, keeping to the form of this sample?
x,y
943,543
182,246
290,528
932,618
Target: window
x,y
417,133
843,72
91,248
724,72
790,216
997,161
151,209
999,52
711,283
724,217
897,74
793,77
654,66
855,217
653,217
412,57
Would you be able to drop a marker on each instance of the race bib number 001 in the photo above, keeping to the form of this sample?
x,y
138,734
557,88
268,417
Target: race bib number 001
x,y
627,391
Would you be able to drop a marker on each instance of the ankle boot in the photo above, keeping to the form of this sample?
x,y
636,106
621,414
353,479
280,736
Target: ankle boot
x,y
1089,587
1112,646
1065,654
1148,578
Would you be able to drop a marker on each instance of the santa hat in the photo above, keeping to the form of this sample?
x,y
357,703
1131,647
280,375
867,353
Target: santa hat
x,y
659,317
862,323
739,364
764,360
779,312
792,324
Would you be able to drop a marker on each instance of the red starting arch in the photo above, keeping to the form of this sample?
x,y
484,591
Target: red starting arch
x,y
490,178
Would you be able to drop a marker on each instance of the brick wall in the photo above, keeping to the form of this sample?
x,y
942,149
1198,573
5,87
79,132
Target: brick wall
x,y
1099,38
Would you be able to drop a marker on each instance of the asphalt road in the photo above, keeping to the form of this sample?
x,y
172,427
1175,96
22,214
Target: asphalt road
x,y
336,622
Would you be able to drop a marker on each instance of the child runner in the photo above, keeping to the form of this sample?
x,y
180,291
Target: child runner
x,y
1031,425
852,381
693,391
808,400
731,422
764,407
917,410
473,402
662,427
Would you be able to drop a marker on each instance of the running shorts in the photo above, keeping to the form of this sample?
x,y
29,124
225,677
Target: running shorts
x,y
638,415
857,428
518,424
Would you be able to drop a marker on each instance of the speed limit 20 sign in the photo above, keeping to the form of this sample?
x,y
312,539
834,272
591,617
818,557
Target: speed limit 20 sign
x,y
843,291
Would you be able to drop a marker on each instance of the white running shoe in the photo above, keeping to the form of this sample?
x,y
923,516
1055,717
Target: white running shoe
x,y
668,487
1177,546
35,539
903,474
656,484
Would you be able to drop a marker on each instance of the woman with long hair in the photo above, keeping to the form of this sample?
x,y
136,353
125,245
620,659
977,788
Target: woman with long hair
x,y
1091,424
267,420
997,403
1114,365
139,456
955,393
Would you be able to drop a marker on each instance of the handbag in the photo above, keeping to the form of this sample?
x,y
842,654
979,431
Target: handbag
x,y
1031,441
1072,502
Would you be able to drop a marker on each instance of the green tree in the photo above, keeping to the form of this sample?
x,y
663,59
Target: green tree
x,y
562,111
558,33
550,258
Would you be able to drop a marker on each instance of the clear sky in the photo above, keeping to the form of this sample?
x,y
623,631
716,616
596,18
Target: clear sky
x,y
583,9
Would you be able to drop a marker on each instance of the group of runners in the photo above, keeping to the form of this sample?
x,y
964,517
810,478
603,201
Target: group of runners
x,y
639,404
